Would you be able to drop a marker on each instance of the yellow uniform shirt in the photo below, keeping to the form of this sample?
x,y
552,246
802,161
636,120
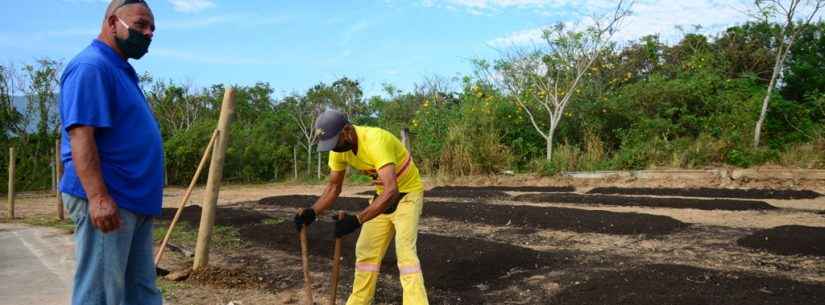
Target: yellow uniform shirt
x,y
376,149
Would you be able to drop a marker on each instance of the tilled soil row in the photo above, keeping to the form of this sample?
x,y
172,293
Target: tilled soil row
x,y
456,270
679,284
711,192
554,218
485,191
787,240
472,194
679,203
525,189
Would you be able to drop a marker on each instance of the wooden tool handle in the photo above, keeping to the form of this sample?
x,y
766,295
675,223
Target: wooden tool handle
x,y
188,193
308,299
336,266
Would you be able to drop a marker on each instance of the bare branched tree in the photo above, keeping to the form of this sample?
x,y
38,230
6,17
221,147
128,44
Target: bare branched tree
x,y
792,25
303,112
543,82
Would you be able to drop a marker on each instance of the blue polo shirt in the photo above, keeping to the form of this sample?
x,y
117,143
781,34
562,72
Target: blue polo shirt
x,y
100,89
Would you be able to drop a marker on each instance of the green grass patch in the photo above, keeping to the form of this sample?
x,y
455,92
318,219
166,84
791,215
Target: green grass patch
x,y
47,221
274,221
183,234
169,288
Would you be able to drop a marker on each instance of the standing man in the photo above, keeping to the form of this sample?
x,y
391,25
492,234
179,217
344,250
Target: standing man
x,y
113,156
395,210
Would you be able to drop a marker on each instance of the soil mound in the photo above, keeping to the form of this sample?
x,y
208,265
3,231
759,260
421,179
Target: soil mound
x,y
787,240
565,219
685,285
678,203
710,192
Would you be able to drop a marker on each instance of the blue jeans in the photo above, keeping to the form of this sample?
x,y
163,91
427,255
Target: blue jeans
x,y
115,268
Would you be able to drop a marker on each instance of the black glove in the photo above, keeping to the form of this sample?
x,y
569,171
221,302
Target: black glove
x,y
345,225
305,217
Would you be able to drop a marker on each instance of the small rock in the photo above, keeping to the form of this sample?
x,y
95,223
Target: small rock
x,y
234,303
179,275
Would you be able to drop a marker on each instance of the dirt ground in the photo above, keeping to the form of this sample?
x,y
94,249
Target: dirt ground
x,y
649,248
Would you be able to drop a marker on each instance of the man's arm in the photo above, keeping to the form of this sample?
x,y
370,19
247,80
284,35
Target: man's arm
x,y
387,176
336,181
102,208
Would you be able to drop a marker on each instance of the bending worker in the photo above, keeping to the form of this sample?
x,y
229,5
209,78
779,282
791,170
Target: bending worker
x,y
393,212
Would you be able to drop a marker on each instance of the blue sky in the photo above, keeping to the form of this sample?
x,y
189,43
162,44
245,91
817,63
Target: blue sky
x,y
295,44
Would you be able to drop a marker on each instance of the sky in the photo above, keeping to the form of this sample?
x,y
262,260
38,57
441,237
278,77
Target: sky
x,y
293,45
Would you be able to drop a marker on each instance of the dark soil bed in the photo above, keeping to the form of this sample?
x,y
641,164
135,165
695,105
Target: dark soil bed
x,y
566,219
485,191
531,189
685,285
224,217
787,240
710,192
474,194
455,268
679,203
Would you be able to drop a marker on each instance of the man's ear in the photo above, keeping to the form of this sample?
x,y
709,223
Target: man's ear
x,y
111,23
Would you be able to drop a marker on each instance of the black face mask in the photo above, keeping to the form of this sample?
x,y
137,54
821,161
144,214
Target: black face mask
x,y
134,46
343,147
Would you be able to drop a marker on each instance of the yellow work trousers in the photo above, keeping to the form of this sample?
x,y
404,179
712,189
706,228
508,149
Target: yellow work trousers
x,y
372,245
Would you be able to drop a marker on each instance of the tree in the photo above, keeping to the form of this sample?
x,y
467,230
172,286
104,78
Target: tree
x,y
42,84
788,11
543,82
10,117
303,111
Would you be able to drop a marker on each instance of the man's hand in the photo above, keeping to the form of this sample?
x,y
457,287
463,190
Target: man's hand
x,y
104,214
305,217
345,225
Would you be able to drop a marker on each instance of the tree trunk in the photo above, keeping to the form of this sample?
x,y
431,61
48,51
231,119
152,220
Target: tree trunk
x,y
757,133
295,161
319,165
549,143
309,160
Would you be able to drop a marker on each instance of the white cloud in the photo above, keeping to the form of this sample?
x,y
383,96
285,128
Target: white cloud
x,y
661,17
191,6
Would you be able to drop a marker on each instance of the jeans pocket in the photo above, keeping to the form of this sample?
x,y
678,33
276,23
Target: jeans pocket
x,y
78,208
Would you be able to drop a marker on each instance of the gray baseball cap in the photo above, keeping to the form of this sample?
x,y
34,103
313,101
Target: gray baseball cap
x,y
329,125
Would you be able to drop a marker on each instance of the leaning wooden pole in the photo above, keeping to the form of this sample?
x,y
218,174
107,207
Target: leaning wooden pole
x,y
186,195
11,183
213,184
58,169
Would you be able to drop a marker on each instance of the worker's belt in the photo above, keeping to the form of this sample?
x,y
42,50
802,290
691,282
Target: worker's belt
x,y
405,166
393,205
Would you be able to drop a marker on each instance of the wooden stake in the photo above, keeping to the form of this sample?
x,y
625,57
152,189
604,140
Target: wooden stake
x,y
336,266
213,185
308,299
58,168
186,195
11,183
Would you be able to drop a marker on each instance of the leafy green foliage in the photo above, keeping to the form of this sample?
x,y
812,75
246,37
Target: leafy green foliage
x,y
648,104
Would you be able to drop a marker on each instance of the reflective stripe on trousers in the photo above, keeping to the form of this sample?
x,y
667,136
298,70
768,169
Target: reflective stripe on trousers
x,y
372,244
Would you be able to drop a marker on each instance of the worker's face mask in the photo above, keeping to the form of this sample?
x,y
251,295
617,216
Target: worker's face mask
x,y
343,146
134,46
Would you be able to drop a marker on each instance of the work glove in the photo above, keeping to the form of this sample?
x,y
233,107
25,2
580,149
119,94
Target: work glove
x,y
305,217
345,225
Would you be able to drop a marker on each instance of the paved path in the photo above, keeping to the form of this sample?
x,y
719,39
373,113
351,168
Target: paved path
x,y
36,265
